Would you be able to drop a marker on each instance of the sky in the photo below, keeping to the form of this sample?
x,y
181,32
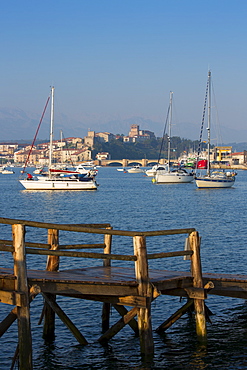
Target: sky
x,y
114,59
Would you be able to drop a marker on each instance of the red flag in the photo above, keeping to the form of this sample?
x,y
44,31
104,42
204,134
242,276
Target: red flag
x,y
202,164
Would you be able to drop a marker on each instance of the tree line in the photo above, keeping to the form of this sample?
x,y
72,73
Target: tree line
x,y
151,148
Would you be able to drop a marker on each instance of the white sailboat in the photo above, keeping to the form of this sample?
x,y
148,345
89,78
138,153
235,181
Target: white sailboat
x,y
213,179
54,180
168,175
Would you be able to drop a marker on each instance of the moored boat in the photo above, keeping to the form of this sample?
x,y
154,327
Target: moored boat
x,y
58,179
7,172
212,179
168,175
135,169
152,171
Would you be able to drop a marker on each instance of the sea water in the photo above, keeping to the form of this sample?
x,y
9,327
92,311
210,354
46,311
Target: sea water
x,y
133,202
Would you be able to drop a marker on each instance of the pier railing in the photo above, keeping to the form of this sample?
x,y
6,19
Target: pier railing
x,y
22,294
53,249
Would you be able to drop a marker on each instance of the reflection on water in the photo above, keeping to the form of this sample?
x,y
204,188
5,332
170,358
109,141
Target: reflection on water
x,y
133,202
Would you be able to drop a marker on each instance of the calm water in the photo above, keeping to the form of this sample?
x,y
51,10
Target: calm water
x,y
133,202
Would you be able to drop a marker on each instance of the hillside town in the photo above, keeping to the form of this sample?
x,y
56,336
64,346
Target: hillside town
x,y
76,150
67,150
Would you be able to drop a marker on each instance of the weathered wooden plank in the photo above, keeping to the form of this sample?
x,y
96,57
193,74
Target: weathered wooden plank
x,y
28,244
11,221
224,284
23,312
132,301
168,254
104,226
11,297
117,257
95,289
7,248
196,293
82,246
89,228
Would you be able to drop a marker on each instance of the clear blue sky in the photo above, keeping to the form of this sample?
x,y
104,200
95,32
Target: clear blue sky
x,y
120,58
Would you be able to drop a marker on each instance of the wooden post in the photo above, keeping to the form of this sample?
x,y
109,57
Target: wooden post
x,y
196,271
106,306
144,290
53,239
51,265
21,285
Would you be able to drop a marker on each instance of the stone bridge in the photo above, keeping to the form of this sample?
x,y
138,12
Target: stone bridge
x,y
129,162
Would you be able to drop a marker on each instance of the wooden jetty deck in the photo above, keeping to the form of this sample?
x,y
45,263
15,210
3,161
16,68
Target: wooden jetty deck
x,y
136,286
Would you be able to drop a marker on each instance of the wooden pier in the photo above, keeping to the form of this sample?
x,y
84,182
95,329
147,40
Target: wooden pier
x,y
135,286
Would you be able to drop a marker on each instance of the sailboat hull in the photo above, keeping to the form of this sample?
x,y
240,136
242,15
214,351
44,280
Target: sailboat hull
x,y
173,177
50,184
210,182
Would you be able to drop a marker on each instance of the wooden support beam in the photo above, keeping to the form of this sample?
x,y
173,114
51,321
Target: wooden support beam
x,y
106,310
123,312
52,264
65,319
193,293
196,271
144,290
14,298
173,318
196,293
8,321
118,326
12,316
15,358
23,312
133,301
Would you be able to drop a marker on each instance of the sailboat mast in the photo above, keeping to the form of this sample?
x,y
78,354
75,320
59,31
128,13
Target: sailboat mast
x,y
169,131
209,120
51,128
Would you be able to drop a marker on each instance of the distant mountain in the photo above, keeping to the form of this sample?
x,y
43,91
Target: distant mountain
x,y
16,124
